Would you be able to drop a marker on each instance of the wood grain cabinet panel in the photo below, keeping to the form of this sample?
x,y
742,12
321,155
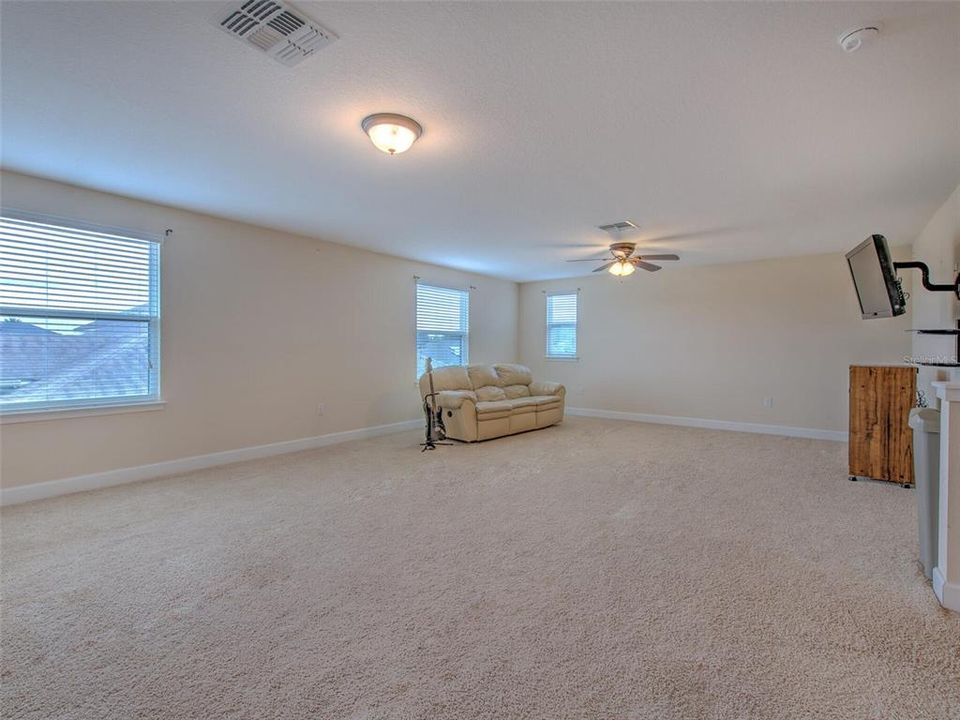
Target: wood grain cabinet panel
x,y
881,442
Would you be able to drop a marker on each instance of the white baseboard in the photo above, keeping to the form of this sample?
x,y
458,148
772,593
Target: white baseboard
x,y
947,593
81,483
801,432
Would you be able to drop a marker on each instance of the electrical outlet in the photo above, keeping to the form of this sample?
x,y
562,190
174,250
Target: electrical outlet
x,y
768,402
321,409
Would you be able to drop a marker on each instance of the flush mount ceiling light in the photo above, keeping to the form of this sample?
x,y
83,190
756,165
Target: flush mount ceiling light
x,y
390,132
853,39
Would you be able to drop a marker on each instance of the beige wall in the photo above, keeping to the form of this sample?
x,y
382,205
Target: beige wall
x,y
938,246
712,342
259,327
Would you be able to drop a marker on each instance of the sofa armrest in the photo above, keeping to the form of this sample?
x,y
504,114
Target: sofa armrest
x,y
547,388
453,399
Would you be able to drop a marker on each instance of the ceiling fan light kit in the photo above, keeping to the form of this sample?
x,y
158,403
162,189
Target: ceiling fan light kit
x,y
621,268
624,262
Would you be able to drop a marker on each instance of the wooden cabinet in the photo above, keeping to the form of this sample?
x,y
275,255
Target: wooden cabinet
x,y
881,442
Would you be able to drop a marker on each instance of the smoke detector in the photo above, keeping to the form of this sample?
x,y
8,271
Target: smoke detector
x,y
275,28
853,39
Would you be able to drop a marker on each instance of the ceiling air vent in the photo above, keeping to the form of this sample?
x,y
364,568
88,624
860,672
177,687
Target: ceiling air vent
x,y
273,27
619,227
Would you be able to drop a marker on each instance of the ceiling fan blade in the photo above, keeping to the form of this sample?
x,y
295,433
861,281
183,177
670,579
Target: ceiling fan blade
x,y
574,246
604,267
636,262
667,256
588,260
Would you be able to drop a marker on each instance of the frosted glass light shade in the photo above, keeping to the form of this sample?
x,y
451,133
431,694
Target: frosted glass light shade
x,y
391,133
622,269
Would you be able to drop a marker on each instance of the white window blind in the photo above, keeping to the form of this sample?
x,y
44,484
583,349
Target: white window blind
x,y
79,316
443,319
562,325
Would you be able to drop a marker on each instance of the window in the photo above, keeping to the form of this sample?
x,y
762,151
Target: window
x,y
442,326
562,325
79,316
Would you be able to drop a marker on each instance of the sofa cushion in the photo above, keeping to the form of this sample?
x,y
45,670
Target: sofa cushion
x,y
493,410
490,393
452,399
512,374
523,405
516,391
446,378
547,388
493,406
542,400
482,375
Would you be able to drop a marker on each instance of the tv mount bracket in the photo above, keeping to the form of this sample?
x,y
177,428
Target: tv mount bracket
x,y
925,278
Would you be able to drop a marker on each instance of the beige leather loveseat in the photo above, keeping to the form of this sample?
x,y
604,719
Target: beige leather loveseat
x,y
486,401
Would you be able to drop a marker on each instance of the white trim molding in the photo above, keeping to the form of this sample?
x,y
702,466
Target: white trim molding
x,y
122,476
787,430
946,576
22,416
947,593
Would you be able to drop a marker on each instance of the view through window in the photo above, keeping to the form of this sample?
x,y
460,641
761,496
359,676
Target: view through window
x,y
562,325
79,316
443,316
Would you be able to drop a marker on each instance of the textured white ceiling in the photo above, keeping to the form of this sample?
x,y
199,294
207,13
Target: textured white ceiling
x,y
727,131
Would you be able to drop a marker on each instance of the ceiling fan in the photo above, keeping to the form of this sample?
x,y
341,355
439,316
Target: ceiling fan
x,y
623,261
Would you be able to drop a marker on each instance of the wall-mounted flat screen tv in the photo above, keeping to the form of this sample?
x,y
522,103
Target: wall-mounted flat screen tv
x,y
875,279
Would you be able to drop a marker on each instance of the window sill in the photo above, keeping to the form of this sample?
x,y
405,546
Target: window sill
x,y
561,359
23,416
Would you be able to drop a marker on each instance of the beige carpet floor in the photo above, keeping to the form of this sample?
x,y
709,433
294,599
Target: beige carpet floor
x,y
594,570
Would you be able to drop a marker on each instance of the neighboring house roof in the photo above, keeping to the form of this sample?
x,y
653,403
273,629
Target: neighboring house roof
x,y
102,359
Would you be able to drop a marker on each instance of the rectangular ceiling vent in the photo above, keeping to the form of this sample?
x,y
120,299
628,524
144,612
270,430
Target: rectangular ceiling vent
x,y
619,227
273,27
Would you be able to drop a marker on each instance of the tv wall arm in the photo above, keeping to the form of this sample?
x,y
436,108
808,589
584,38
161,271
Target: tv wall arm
x,y
925,278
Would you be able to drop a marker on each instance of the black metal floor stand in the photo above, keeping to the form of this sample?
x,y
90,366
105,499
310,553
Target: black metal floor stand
x,y
432,445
